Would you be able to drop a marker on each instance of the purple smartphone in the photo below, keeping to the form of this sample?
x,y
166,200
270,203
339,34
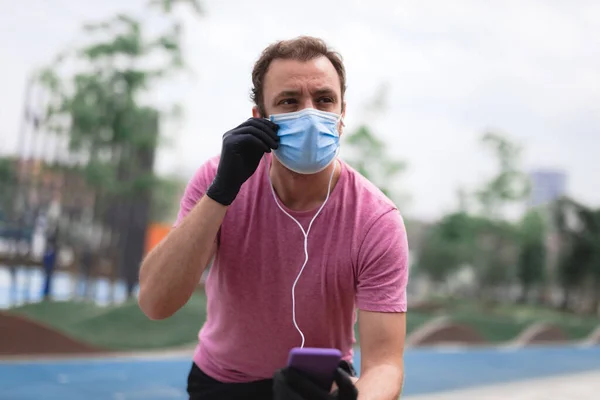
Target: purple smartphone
x,y
316,363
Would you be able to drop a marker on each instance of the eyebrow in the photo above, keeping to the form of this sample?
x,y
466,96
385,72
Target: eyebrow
x,y
288,93
324,90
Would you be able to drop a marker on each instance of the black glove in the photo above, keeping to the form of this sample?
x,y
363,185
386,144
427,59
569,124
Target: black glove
x,y
243,147
290,384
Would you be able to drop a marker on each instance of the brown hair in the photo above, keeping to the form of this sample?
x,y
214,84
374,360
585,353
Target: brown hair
x,y
303,48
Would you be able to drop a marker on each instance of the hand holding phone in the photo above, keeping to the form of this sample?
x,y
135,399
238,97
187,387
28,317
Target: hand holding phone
x,y
310,374
317,364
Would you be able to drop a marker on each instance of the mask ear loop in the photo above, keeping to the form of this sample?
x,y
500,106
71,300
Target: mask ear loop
x,y
305,233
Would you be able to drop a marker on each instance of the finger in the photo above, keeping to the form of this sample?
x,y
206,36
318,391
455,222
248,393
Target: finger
x,y
267,122
264,125
282,390
262,133
255,141
346,388
303,385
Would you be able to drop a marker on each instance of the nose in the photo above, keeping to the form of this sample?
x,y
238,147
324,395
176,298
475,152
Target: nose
x,y
306,102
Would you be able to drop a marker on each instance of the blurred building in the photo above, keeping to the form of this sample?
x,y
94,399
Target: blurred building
x,y
547,185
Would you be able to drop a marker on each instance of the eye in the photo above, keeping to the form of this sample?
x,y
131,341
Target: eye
x,y
325,99
286,102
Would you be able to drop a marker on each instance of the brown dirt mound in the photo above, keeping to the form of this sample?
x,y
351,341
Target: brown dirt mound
x,y
444,331
541,333
22,336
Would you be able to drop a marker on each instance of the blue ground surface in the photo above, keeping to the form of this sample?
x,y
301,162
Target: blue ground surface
x,y
426,371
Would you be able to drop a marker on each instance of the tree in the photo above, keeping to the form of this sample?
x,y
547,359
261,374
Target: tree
x,y
165,196
369,155
447,246
112,133
532,252
570,271
8,182
498,244
589,239
371,160
509,184
579,265
8,232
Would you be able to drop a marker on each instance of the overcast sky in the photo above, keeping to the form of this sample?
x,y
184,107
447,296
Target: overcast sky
x,y
454,69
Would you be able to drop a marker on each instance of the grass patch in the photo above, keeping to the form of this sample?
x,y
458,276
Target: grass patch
x,y
62,312
492,328
122,327
413,321
503,322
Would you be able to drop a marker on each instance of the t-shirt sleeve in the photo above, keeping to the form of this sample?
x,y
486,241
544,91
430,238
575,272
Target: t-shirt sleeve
x,y
383,266
196,188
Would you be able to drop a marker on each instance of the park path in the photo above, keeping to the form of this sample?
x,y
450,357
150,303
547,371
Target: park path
x,y
581,386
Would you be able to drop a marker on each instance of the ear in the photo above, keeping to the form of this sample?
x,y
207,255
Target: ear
x,y
342,124
256,112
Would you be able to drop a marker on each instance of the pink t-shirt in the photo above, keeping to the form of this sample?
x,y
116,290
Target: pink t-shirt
x,y
358,258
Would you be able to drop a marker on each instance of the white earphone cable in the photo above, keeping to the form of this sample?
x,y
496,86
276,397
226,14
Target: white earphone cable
x,y
305,233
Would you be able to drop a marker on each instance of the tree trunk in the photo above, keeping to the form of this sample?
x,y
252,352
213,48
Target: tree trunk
x,y
566,300
596,302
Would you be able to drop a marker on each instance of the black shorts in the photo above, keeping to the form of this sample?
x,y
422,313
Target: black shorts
x,y
202,387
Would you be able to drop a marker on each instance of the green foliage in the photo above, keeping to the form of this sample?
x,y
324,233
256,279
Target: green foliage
x,y
438,258
99,106
8,172
579,265
97,99
167,6
510,184
8,185
460,240
447,246
483,241
369,155
165,195
491,251
532,252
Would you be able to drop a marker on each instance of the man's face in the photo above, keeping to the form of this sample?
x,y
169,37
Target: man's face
x,y
292,85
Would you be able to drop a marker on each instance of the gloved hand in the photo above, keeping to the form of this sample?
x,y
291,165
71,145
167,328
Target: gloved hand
x,y
290,384
242,149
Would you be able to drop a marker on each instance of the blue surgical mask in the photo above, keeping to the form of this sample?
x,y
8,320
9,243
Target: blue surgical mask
x,y
309,139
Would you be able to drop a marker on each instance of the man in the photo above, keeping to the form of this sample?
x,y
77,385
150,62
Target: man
x,y
49,261
298,239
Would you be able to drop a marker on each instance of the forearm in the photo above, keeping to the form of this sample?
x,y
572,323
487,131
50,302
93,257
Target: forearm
x,y
381,382
171,272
